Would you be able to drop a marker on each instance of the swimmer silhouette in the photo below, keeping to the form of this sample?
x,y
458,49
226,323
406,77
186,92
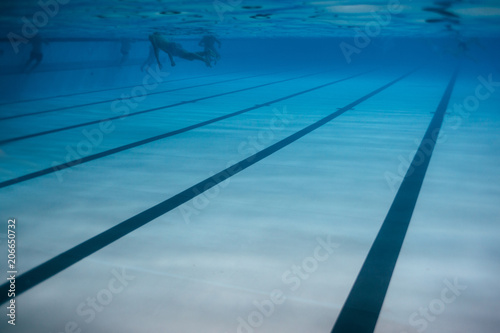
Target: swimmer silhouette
x,y
126,45
463,46
208,43
36,54
160,42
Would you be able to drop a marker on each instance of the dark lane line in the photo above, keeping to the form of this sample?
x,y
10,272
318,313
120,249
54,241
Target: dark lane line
x,y
126,98
68,258
362,307
28,136
57,168
105,89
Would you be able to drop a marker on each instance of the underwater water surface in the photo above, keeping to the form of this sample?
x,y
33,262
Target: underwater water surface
x,y
278,166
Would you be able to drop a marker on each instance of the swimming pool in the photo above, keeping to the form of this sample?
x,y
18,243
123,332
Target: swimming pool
x,y
335,171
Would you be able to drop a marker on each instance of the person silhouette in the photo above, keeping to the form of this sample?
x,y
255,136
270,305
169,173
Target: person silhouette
x,y
36,55
160,42
125,47
208,43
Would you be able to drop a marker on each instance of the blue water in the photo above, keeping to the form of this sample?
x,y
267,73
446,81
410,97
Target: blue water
x,y
335,171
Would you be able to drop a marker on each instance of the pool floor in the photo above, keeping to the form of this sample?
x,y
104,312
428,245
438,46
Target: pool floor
x,y
251,201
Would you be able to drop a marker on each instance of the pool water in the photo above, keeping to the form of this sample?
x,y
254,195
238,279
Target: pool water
x,y
335,171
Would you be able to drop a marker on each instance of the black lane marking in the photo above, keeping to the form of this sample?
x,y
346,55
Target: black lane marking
x,y
104,89
28,136
57,168
362,307
126,98
68,258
